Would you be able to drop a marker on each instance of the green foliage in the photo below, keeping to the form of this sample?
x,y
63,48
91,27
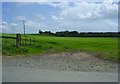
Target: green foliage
x,y
80,34
9,48
106,48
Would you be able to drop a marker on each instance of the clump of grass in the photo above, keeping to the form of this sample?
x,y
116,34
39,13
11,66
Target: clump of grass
x,y
54,43
13,50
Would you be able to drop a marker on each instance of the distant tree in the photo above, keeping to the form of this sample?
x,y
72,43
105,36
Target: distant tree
x,y
48,33
74,33
81,34
40,32
67,33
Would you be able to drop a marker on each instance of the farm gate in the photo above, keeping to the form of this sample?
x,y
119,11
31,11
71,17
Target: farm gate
x,y
22,40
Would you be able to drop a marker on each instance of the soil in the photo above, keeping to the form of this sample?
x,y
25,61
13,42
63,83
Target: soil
x,y
80,61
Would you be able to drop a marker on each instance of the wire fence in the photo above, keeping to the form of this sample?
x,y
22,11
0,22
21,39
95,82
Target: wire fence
x,y
20,40
26,40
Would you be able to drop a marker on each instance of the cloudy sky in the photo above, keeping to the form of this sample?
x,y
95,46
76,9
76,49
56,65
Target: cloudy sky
x,y
82,16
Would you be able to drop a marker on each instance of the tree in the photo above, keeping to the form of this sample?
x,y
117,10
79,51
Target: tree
x,y
40,32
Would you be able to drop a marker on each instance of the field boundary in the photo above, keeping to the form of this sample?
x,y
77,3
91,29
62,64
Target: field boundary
x,y
21,40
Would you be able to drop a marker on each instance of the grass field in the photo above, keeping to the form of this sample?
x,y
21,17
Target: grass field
x,y
106,48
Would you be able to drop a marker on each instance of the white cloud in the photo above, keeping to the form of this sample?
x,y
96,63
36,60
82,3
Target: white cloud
x,y
5,27
31,27
81,16
86,16
4,23
109,2
48,3
61,4
40,17
56,18
19,18
10,27
54,0
108,10
87,10
13,24
34,24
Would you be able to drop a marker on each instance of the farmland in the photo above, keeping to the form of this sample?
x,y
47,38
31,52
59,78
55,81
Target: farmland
x,y
103,47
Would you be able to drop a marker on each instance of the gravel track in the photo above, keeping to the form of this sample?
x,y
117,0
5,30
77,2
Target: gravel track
x,y
79,61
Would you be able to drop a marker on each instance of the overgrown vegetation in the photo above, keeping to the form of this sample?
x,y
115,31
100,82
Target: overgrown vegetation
x,y
106,48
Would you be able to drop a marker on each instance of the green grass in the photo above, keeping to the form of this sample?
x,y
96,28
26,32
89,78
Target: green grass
x,y
106,48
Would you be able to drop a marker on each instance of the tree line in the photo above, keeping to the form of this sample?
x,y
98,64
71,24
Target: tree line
x,y
80,34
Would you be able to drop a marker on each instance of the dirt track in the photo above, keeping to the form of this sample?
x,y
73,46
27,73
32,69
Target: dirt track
x,y
63,62
65,67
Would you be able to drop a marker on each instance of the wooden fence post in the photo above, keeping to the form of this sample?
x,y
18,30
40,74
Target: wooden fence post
x,y
18,40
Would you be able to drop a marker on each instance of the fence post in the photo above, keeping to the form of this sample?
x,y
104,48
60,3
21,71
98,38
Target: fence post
x,y
17,40
20,41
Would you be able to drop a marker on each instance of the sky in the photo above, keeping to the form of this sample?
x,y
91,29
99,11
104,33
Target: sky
x,y
82,16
